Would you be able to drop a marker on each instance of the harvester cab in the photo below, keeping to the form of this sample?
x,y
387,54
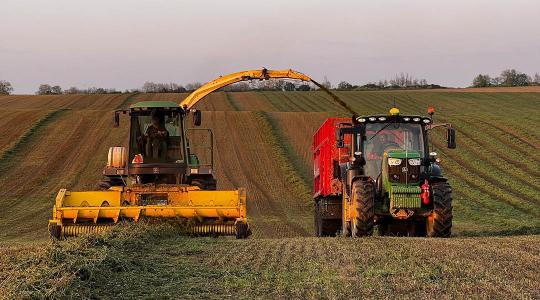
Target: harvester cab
x,y
387,177
159,148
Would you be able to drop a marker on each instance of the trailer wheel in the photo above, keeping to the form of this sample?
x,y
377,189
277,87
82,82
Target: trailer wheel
x,y
325,227
363,194
316,220
441,225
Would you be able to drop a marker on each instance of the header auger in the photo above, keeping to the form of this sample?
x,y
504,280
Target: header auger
x,y
163,173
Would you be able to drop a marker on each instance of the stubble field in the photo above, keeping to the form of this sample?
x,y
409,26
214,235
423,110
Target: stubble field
x,y
263,143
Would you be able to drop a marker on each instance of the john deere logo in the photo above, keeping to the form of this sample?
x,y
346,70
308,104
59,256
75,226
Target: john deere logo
x,y
404,170
155,170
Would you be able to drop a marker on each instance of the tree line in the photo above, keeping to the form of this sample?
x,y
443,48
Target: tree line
x,y
509,77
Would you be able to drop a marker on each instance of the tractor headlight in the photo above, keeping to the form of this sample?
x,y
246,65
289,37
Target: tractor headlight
x,y
361,120
394,161
414,161
416,119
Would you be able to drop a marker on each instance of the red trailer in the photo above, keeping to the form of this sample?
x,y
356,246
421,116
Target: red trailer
x,y
327,157
327,187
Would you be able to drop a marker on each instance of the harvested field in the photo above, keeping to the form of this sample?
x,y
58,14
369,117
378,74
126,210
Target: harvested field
x,y
146,262
262,142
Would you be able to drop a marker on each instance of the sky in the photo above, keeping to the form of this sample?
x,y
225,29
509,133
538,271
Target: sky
x,y
123,43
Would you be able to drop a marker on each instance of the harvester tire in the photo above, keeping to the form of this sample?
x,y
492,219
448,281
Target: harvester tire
x,y
363,194
54,231
204,184
242,230
442,209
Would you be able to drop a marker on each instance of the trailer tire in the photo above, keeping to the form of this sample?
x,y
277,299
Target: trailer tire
x,y
325,227
442,210
363,193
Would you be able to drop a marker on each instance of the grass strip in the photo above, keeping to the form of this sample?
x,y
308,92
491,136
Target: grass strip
x,y
285,158
28,136
127,101
232,101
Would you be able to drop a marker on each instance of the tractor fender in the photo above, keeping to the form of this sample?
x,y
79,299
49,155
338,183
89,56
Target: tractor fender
x,y
436,174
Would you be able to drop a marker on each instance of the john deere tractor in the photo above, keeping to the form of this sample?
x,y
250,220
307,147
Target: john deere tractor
x,y
381,171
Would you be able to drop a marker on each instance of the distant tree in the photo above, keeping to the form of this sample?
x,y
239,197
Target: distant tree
x,y
289,86
326,83
193,86
72,90
481,80
536,78
304,87
5,87
511,77
44,89
344,85
56,90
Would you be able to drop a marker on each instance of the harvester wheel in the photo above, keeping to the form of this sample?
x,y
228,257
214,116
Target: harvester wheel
x,y
242,230
204,184
363,194
54,231
442,211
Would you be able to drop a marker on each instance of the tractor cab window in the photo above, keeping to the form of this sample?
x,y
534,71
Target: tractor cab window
x,y
382,137
156,136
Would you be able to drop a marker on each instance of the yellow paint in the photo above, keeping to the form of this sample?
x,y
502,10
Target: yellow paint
x,y
86,212
225,80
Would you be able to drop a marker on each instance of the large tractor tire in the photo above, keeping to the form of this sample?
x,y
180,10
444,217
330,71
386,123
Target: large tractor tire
x,y
363,195
441,223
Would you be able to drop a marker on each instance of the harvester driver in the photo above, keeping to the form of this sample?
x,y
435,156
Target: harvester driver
x,y
156,138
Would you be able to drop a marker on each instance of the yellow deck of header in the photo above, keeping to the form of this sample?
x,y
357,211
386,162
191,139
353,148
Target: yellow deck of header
x,y
93,211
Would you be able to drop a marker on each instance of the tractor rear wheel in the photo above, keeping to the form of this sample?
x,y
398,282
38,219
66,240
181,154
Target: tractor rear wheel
x,y
363,195
441,222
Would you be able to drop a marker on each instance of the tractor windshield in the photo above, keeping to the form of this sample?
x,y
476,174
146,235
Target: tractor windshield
x,y
157,136
382,137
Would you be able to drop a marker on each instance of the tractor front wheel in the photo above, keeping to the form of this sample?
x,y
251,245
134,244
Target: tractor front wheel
x,y
363,196
440,223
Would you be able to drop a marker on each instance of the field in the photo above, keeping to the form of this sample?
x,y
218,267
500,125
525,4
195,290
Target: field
x,y
263,143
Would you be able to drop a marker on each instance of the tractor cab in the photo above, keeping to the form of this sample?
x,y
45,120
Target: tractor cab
x,y
159,148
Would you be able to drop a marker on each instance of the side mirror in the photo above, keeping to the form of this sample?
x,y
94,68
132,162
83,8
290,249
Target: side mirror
x,y
116,119
197,117
451,138
339,139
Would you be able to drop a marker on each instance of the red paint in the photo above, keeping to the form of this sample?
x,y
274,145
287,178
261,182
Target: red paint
x,y
138,159
325,152
425,193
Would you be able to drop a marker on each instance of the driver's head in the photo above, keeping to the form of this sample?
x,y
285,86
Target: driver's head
x,y
155,118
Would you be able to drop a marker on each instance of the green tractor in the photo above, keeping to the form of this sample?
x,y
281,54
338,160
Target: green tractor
x,y
379,170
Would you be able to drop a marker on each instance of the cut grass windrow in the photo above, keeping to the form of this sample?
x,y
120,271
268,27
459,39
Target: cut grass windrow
x,y
232,102
27,137
129,100
285,157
